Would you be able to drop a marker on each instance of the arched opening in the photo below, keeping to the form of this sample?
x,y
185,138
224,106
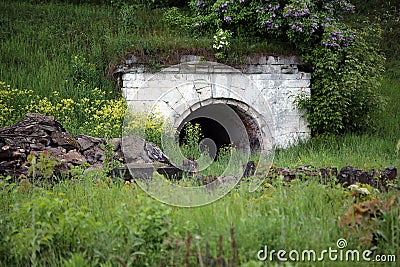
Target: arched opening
x,y
251,126
225,124
211,129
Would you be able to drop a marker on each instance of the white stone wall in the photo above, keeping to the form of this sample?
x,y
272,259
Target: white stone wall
x,y
265,88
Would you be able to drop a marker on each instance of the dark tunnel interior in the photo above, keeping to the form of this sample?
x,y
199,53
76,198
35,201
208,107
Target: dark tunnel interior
x,y
211,129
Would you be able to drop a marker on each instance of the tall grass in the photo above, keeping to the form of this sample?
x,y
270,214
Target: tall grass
x,y
363,151
92,220
39,40
107,223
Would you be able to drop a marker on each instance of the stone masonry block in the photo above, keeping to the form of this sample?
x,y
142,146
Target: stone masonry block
x,y
295,83
164,109
130,93
223,80
219,91
152,93
189,94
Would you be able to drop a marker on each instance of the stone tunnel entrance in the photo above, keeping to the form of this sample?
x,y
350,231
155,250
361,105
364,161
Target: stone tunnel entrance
x,y
225,125
260,97
210,129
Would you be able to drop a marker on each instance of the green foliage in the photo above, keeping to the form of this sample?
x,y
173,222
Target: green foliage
x,y
389,232
273,216
148,126
386,14
76,260
50,226
42,166
221,43
118,3
127,15
361,151
110,162
192,137
177,20
344,85
147,3
346,66
41,41
101,224
94,114
83,73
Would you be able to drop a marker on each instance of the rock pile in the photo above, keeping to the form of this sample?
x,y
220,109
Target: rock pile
x,y
348,175
39,133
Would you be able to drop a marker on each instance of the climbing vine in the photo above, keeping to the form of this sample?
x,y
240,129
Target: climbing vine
x,y
346,65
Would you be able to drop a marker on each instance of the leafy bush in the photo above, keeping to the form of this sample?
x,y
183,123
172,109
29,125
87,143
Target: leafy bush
x,y
221,42
344,85
177,20
345,63
148,126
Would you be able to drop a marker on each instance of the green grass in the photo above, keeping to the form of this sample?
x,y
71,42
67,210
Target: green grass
x,y
104,223
107,222
38,42
362,151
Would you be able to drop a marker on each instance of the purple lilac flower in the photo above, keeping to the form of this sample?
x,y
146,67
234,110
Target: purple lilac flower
x,y
227,18
197,25
330,43
241,1
349,9
199,4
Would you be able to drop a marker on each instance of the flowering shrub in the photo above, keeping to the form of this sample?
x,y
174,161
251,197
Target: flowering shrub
x,y
344,78
300,20
93,115
146,125
221,42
